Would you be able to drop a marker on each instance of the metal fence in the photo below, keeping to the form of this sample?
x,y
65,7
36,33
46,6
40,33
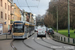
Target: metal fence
x,y
5,36
64,39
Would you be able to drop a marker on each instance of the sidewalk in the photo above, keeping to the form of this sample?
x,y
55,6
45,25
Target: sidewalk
x,y
5,45
64,39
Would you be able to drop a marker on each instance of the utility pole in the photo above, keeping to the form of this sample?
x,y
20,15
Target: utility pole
x,y
57,18
68,20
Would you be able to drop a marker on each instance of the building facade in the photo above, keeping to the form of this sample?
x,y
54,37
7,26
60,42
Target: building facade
x,y
23,15
31,20
17,13
5,15
27,16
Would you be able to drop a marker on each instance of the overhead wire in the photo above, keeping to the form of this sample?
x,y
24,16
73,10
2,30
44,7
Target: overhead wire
x,y
25,6
38,3
38,6
28,5
18,3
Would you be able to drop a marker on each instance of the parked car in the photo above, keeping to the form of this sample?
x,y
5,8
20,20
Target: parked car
x,y
46,30
50,31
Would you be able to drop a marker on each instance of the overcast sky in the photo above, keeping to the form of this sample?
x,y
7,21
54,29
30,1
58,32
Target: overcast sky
x,y
41,9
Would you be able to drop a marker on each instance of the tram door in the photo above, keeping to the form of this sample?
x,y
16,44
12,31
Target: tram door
x,y
1,29
26,31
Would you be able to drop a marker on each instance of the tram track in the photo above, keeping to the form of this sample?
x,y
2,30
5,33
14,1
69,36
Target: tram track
x,y
43,45
11,44
14,48
27,45
49,42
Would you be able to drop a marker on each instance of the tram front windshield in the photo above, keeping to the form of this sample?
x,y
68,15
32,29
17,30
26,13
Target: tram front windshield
x,y
18,28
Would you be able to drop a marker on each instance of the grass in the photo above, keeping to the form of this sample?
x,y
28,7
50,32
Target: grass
x,y
65,32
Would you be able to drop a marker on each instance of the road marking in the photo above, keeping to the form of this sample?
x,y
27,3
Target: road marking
x,y
48,38
44,38
33,38
38,38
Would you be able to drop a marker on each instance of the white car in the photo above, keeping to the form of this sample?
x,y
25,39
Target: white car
x,y
35,30
41,31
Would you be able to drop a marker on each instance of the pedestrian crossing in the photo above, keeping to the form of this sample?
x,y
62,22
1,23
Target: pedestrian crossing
x,y
33,38
39,38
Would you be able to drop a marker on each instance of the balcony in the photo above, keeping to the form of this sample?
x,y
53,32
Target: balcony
x,y
11,21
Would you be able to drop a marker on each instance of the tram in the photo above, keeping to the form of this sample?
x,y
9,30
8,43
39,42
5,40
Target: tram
x,y
22,30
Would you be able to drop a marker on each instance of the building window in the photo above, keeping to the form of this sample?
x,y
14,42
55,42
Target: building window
x,y
1,2
1,14
5,16
8,7
8,17
5,6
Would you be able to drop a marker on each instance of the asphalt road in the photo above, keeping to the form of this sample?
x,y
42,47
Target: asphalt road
x,y
40,43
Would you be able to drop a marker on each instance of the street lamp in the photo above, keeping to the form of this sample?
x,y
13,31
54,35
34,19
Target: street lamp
x,y
57,18
68,20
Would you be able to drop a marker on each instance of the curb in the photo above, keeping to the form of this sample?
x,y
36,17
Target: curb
x,y
5,39
61,41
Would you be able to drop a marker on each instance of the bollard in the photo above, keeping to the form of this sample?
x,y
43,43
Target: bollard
x,y
57,37
53,36
73,41
68,40
6,35
64,39
61,38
